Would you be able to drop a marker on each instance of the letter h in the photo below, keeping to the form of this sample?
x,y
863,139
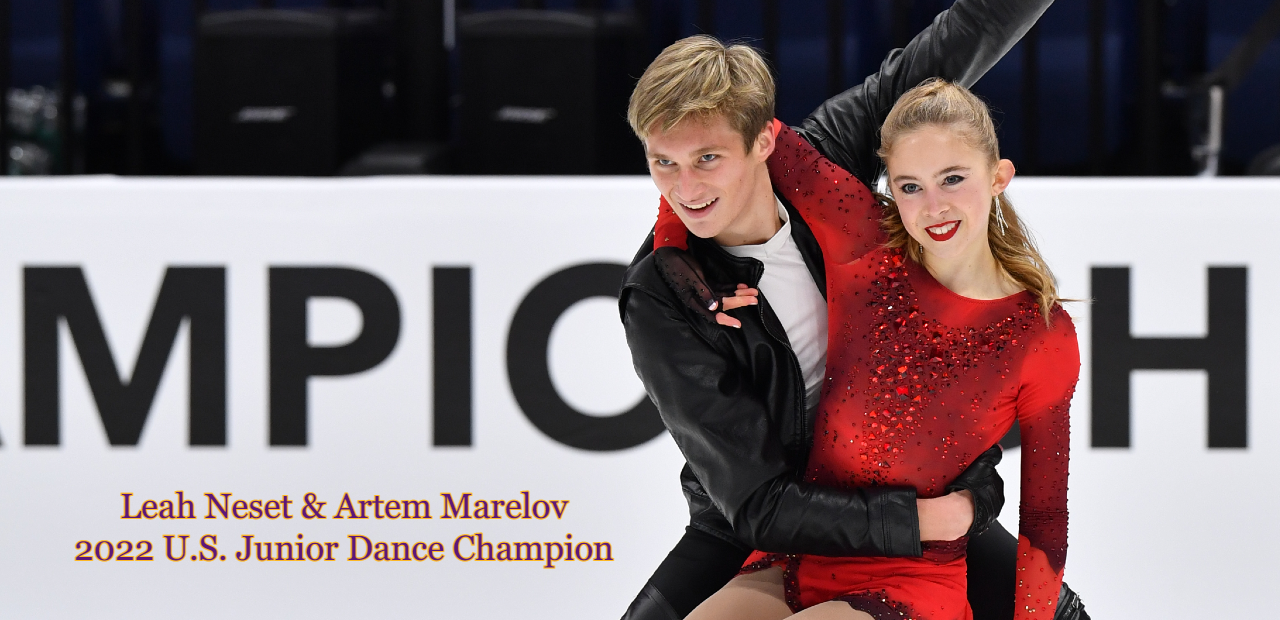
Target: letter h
x,y
1223,353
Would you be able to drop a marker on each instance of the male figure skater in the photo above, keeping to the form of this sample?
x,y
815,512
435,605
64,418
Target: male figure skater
x,y
740,405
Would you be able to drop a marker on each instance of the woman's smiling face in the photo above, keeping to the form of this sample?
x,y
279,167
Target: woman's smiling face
x,y
944,189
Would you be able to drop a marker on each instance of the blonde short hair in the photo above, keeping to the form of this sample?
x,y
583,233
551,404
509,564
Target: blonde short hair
x,y
701,77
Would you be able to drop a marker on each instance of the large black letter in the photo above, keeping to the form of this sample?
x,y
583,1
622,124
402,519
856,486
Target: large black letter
x,y
293,360
195,293
451,360
531,378
1223,353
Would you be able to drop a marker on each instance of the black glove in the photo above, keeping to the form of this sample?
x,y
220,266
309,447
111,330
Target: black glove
x,y
684,275
982,480
1069,605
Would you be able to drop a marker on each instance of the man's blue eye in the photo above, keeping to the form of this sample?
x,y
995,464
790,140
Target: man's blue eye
x,y
663,162
708,157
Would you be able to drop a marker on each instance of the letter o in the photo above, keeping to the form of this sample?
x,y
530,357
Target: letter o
x,y
530,376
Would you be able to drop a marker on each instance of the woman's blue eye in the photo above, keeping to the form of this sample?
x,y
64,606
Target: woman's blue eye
x,y
953,179
910,188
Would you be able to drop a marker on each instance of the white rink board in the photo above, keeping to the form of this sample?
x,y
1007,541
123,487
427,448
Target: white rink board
x,y
1166,528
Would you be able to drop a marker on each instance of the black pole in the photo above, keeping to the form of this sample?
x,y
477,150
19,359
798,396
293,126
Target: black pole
x,y
835,47
771,32
266,4
900,25
1149,86
6,41
707,16
198,7
1097,86
531,4
67,87
1031,101
132,32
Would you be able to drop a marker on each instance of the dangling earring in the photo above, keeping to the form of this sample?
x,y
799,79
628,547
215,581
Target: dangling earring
x,y
995,204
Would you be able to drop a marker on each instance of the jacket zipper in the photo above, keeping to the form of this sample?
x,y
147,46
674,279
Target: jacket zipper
x,y
801,412
757,270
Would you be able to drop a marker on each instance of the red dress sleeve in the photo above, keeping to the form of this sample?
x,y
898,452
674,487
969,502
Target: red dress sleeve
x,y
1044,399
669,231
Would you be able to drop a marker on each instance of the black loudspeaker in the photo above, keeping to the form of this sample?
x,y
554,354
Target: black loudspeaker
x,y
288,92
545,92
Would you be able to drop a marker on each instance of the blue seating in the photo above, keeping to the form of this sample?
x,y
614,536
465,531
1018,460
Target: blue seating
x,y
1198,35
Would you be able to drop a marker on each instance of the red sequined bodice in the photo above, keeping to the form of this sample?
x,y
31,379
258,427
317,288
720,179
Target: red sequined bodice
x,y
902,384
919,382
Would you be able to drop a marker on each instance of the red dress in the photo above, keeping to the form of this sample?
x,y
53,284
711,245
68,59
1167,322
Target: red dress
x,y
919,382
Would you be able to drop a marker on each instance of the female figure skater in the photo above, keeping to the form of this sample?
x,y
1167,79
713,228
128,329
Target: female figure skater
x,y
944,328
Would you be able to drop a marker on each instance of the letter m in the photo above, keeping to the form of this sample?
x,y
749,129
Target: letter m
x,y
198,294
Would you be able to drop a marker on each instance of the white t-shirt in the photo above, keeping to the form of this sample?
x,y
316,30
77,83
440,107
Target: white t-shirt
x,y
795,298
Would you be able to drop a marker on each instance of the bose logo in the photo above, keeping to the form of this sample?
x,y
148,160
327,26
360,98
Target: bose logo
x,y
517,114
265,114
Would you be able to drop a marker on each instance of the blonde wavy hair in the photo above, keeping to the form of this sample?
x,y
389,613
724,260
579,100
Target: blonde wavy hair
x,y
940,103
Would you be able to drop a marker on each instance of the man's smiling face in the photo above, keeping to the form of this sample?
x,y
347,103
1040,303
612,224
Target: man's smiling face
x,y
703,169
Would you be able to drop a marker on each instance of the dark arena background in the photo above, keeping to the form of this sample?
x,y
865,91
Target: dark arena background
x,y
309,308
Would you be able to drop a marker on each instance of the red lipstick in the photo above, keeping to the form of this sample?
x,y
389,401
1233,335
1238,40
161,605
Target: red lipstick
x,y
955,226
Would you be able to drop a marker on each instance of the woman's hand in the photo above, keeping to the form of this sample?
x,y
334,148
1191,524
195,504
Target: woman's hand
x,y
684,275
945,518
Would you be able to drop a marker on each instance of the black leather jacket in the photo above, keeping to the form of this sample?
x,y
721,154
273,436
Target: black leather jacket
x,y
733,399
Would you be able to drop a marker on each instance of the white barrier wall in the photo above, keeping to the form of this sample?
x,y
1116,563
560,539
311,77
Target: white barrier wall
x,y
1167,527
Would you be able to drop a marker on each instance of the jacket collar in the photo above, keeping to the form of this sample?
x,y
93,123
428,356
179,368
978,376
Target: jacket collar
x,y
723,267
807,244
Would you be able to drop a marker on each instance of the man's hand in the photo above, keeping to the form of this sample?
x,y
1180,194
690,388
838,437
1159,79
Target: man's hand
x,y
987,489
945,518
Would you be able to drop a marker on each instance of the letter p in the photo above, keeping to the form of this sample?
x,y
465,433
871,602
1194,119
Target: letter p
x,y
294,360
